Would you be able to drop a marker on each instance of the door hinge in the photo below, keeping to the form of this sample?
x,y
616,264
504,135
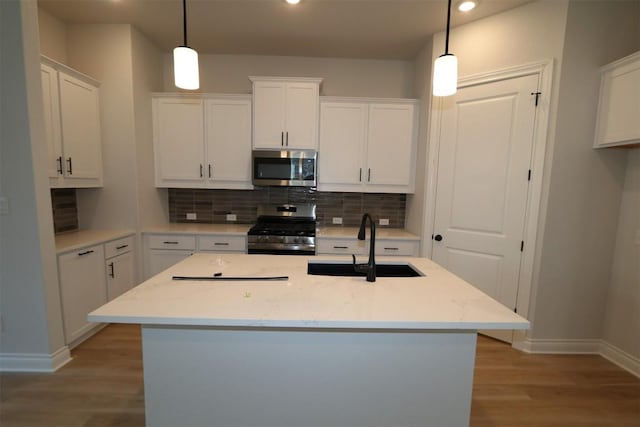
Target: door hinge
x,y
537,94
529,175
522,246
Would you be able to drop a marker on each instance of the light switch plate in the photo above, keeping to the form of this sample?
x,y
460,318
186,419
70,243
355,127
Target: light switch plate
x,y
231,217
384,221
336,220
192,216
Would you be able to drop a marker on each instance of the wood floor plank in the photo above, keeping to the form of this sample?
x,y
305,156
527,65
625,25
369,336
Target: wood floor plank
x,y
103,387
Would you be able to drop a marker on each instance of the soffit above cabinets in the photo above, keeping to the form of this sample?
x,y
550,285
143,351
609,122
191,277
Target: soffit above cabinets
x,y
375,29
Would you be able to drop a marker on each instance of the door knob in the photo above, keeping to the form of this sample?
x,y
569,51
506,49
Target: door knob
x,y
437,237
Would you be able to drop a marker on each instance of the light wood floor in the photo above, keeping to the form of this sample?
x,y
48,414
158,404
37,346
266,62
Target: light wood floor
x,y
103,386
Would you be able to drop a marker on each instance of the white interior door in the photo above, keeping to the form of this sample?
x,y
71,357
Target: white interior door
x,y
486,139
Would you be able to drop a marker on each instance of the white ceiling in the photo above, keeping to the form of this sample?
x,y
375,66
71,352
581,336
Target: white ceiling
x,y
377,29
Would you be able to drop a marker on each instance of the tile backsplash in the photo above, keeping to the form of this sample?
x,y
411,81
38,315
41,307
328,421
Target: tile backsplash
x,y
65,209
212,206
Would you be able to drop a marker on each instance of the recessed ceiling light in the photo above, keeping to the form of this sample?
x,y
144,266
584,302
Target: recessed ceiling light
x,y
293,1
467,5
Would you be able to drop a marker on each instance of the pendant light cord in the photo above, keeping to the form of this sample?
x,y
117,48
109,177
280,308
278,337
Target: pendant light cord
x,y
446,45
184,21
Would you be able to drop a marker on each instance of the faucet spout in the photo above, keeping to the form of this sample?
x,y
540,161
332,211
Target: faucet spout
x,y
370,267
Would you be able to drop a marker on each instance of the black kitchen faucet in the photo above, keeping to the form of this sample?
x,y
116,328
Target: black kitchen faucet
x,y
370,267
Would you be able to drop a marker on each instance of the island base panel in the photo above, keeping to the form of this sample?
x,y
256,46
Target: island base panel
x,y
306,378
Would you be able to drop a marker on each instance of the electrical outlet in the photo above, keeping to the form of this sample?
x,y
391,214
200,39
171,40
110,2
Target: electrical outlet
x,y
231,217
384,221
192,216
336,220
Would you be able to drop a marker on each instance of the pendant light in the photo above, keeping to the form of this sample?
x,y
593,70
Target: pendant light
x,y
185,60
445,68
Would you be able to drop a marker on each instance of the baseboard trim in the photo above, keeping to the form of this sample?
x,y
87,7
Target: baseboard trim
x,y
557,346
34,362
621,358
588,346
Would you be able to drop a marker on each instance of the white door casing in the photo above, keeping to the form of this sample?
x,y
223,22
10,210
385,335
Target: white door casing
x,y
485,155
544,72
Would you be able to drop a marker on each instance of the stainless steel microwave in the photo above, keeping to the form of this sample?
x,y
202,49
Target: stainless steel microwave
x,y
289,168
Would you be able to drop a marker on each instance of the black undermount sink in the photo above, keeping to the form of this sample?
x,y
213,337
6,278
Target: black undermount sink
x,y
346,269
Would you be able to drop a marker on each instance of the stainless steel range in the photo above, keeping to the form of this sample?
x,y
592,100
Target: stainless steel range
x,y
284,230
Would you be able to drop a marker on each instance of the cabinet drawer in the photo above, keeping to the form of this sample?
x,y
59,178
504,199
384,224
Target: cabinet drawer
x,y
340,246
171,241
397,247
222,243
117,247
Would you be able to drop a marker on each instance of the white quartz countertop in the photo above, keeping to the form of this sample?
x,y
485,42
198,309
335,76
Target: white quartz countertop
x,y
73,240
352,233
185,228
439,300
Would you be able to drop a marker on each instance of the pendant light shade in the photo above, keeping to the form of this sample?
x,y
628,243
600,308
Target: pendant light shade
x,y
445,75
185,68
445,68
185,60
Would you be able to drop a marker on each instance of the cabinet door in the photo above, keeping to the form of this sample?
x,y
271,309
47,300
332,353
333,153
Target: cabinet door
x,y
268,114
228,143
301,115
83,288
80,120
51,106
178,141
161,259
390,150
341,149
619,106
120,275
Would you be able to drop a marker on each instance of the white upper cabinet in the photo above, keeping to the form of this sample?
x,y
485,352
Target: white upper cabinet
x,y
202,142
367,145
285,112
178,137
72,126
228,142
618,121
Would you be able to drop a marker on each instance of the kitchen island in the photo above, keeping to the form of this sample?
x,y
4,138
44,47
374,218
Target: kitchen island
x,y
307,351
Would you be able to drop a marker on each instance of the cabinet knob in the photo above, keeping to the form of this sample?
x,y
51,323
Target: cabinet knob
x,y
437,238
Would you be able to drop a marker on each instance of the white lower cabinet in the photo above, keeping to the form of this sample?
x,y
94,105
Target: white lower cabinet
x,y
83,288
164,250
353,246
91,276
120,267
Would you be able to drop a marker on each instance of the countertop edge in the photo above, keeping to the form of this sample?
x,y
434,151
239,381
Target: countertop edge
x,y
74,240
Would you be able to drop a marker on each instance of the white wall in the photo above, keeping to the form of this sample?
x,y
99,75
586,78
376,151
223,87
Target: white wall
x,y
583,198
622,317
104,53
30,305
53,36
416,203
147,78
341,77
